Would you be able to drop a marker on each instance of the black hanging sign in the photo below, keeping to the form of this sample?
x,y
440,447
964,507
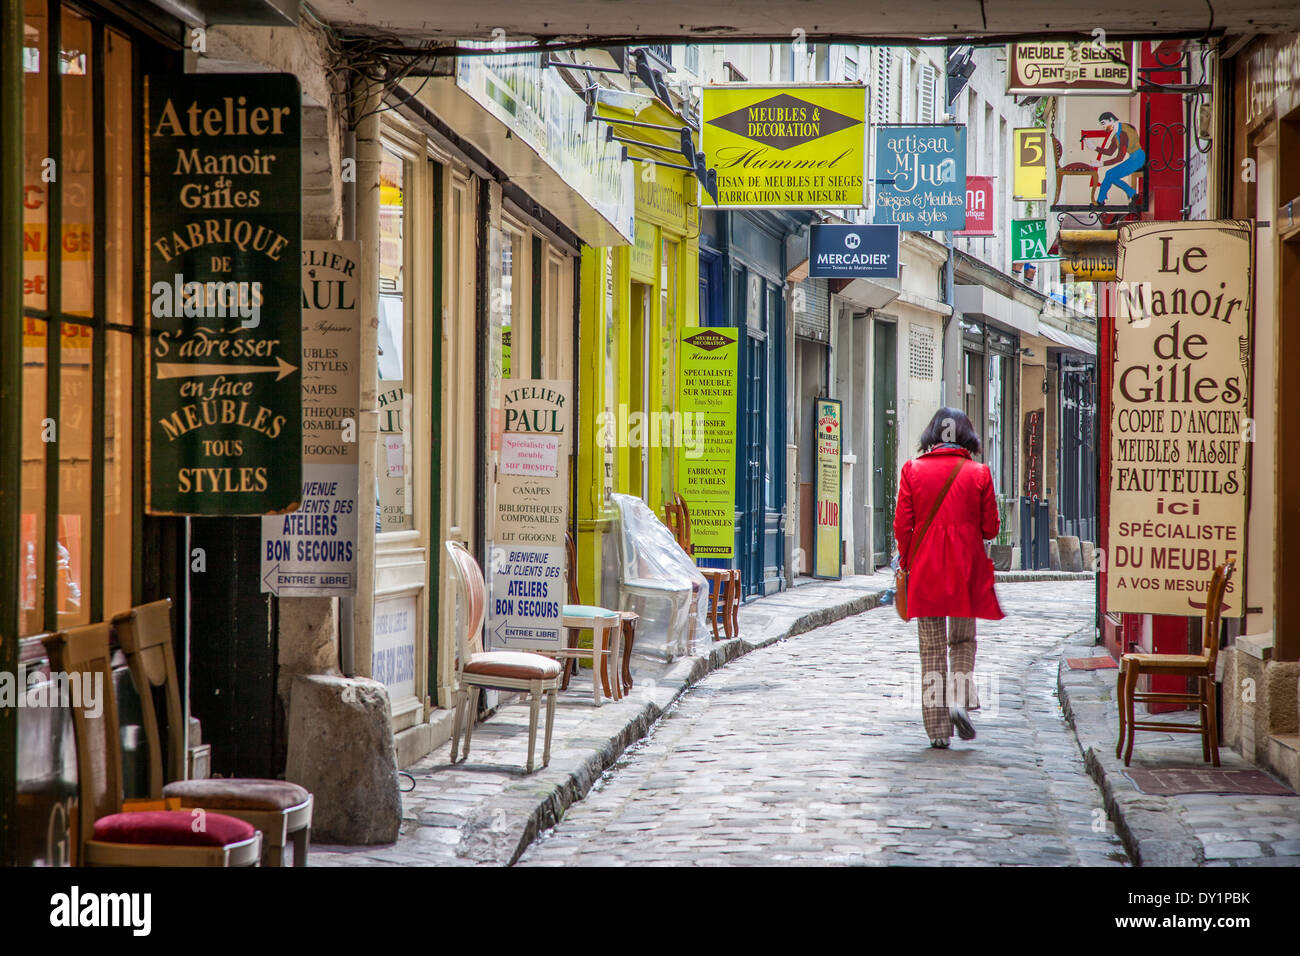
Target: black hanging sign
x,y
223,174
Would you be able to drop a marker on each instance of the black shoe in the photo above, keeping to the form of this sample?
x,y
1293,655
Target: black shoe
x,y
939,744
960,720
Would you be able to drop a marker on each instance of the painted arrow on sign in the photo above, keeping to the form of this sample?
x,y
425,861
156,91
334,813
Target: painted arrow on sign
x,y
190,370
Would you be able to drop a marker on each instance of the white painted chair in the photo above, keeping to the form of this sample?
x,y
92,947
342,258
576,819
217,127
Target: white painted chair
x,y
606,628
498,670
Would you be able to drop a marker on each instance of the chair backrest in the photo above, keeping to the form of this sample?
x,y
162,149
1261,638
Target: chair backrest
x,y
469,577
684,516
84,652
571,567
1214,609
145,634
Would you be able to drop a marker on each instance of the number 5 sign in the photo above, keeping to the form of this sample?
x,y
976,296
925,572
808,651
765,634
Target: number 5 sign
x,y
1031,164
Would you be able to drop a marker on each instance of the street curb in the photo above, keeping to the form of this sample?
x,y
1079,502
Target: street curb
x,y
1025,577
1151,827
550,801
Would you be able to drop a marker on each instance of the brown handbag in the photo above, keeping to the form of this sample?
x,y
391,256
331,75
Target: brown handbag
x,y
900,576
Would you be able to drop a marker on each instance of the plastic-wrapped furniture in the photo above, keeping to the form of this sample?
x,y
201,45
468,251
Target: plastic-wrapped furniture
x,y
280,809
534,674
659,577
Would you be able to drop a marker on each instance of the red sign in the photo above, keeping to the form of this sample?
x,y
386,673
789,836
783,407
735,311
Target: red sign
x,y
979,207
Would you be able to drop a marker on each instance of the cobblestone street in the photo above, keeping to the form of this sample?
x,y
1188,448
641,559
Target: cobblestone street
x,y
813,751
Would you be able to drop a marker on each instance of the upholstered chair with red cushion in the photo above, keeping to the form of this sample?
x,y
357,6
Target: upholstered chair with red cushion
x,y
106,835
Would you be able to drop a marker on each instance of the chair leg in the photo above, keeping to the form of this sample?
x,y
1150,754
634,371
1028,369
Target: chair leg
x,y
457,722
629,636
615,656
1119,705
272,853
1130,688
1212,720
550,725
604,653
1203,715
301,843
737,595
568,664
597,641
534,701
715,591
471,714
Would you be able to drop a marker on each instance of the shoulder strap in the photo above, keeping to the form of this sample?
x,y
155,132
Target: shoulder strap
x,y
935,510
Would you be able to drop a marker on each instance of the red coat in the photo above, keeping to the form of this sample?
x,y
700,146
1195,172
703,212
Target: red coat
x,y
951,575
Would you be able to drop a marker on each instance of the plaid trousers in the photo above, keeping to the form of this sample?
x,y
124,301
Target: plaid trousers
x,y
941,639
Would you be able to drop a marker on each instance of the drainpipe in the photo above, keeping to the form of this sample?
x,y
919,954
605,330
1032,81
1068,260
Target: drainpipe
x,y
11,383
347,605
356,649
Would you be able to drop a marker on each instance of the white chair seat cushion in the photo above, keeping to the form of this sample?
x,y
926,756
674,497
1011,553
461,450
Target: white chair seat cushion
x,y
518,665
587,610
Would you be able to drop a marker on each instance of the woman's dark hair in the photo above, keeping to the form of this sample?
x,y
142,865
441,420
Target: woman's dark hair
x,y
950,425
1108,116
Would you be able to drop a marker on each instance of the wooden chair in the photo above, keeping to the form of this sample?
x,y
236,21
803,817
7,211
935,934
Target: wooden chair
x,y
627,632
497,670
1072,169
281,810
106,836
724,583
1200,667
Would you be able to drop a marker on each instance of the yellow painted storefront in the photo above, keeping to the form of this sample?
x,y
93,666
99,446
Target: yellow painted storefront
x,y
635,301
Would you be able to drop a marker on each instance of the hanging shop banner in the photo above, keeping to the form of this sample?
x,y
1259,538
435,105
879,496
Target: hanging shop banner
x,y
708,378
920,177
526,577
1053,67
1180,398
841,251
828,546
979,207
312,552
1029,155
224,225
787,147
1029,240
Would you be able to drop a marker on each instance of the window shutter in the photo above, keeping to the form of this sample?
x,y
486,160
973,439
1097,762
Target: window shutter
x,y
884,84
925,104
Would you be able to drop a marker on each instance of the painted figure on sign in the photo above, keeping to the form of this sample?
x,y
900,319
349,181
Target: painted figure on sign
x,y
1126,156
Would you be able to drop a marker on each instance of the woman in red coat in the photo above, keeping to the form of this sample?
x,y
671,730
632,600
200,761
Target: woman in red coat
x,y
950,577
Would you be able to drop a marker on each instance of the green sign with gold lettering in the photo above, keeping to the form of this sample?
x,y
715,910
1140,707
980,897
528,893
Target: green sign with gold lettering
x,y
223,193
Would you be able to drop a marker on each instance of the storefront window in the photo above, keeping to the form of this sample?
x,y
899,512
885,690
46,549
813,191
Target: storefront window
x,y
393,461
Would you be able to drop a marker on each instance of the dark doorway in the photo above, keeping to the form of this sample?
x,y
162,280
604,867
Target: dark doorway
x,y
884,438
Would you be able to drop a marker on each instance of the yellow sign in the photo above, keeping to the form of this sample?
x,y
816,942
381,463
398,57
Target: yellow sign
x,y
1089,254
1030,155
1180,399
827,551
792,147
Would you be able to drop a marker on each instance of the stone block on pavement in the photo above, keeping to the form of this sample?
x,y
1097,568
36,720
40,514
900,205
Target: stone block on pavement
x,y
1054,555
341,749
1067,547
1088,551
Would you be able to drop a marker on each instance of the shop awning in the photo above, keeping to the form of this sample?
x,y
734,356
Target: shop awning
x,y
983,304
1076,343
